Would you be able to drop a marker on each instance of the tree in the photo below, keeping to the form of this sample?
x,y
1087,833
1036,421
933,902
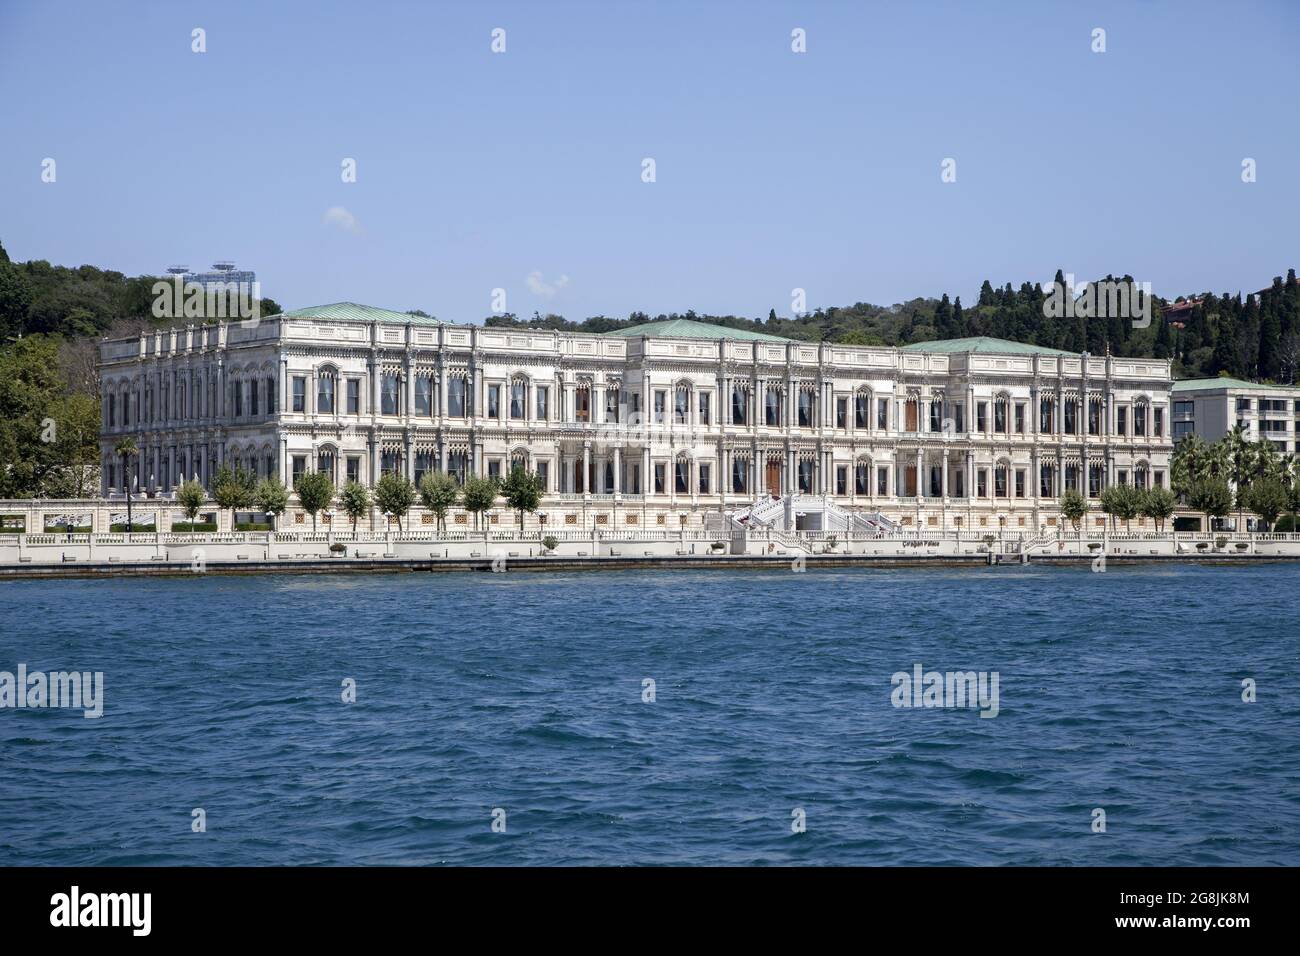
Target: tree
x,y
1122,502
1190,463
1268,498
522,490
1240,455
1212,497
1073,507
234,489
315,492
1159,504
191,497
49,436
395,494
355,499
126,449
272,497
480,494
439,492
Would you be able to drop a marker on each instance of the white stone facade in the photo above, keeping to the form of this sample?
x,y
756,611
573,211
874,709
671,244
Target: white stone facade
x,y
640,429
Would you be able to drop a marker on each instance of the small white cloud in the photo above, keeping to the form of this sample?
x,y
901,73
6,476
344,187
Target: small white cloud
x,y
538,285
340,217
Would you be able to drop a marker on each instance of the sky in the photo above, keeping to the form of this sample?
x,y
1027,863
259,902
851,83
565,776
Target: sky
x,y
774,170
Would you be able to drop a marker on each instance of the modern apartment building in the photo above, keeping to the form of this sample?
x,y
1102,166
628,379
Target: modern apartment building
x,y
1212,407
659,422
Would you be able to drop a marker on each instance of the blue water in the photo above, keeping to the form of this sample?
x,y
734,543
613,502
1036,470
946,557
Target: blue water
x,y
523,692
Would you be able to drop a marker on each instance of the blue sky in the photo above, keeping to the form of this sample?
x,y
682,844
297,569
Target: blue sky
x,y
775,170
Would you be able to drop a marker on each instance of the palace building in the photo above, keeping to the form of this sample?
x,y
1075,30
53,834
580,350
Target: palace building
x,y
660,423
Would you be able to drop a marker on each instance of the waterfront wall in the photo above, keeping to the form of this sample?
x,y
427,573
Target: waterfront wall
x,y
180,552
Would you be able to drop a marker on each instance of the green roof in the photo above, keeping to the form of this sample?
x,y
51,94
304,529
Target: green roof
x,y
1204,384
984,344
689,329
352,312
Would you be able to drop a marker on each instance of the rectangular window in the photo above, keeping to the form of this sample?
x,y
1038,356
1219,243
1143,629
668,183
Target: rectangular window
x,y
704,478
805,476
354,469
354,396
1188,409
681,406
494,468
1020,418
739,475
1000,417
661,406
805,408
423,395
544,475
738,406
1183,428
252,397
1139,421
772,407
239,403
518,390
1045,416
324,395
1045,481
1020,482
882,481
960,478
112,410
659,478
861,411
682,477
1000,482
1071,477
494,401
959,418
936,416
1159,422
1094,417
981,416
388,394
705,401
841,480
1070,407
841,413
543,394
882,414
1121,421
456,397
981,483
611,405
936,481
861,479
299,468
1094,480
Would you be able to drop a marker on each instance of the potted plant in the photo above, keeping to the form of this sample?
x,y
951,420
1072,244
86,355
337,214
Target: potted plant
x,y
1202,545
1220,543
338,547
718,546
549,544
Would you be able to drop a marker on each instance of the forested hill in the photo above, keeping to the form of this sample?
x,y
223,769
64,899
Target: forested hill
x,y
1251,336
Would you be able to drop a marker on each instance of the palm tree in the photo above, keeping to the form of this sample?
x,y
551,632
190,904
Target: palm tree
x,y
1240,455
126,449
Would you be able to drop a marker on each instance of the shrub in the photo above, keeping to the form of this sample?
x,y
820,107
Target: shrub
x,y
338,547
549,542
